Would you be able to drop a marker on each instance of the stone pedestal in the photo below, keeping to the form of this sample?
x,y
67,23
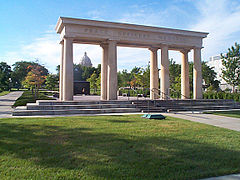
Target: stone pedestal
x,y
185,91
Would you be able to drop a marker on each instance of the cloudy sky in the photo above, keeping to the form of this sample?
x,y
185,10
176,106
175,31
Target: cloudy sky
x,y
27,26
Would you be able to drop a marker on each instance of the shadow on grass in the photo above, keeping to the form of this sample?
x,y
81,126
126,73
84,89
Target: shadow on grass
x,y
111,156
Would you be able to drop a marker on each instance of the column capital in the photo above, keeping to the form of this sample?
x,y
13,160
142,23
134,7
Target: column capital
x,y
164,46
112,40
185,51
197,48
68,38
104,45
153,48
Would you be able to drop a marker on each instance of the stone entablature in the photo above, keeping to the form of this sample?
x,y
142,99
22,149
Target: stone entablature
x,y
95,32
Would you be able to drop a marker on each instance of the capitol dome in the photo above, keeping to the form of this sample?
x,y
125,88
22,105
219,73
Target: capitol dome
x,y
86,61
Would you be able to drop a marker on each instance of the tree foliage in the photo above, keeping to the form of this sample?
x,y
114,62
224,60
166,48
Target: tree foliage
x,y
82,73
22,68
137,77
94,81
34,78
231,63
51,81
208,75
174,74
5,74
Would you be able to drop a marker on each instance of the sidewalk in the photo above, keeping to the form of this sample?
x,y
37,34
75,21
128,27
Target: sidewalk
x,y
215,120
228,177
6,103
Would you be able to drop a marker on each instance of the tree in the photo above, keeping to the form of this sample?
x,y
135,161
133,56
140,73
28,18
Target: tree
x,y
124,78
231,66
146,77
174,74
21,69
34,79
51,81
209,77
82,73
93,81
5,74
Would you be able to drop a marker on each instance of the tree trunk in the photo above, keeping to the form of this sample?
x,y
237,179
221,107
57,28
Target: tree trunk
x,y
35,91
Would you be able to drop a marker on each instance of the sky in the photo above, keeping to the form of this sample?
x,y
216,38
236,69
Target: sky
x,y
27,27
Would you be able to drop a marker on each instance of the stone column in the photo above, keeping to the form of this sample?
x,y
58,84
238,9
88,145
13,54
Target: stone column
x,y
164,72
154,77
104,71
112,71
197,74
185,91
61,73
68,70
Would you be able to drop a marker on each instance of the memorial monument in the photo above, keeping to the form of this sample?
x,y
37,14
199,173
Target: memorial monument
x,y
80,86
109,35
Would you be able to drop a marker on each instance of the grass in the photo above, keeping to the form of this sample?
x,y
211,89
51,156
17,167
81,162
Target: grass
x,y
28,97
4,93
115,147
235,114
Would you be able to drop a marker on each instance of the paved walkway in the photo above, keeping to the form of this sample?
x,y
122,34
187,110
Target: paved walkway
x,y
6,103
215,120
228,177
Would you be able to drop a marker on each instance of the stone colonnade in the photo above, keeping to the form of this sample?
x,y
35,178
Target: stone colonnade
x,y
109,35
109,72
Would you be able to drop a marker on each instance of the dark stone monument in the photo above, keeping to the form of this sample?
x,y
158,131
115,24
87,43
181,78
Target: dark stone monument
x,y
81,87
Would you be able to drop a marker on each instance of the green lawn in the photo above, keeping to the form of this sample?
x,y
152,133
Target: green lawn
x,y
28,97
226,113
4,93
115,147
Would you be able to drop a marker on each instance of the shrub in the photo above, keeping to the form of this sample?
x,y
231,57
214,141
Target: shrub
x,y
28,97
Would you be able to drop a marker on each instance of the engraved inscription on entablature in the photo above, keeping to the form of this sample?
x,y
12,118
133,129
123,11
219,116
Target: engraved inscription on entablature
x,y
172,38
141,35
132,35
96,31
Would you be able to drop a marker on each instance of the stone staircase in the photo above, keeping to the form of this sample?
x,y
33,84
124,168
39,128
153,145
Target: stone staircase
x,y
45,107
53,107
185,105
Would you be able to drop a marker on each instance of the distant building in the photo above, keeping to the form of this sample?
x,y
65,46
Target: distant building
x,y
86,61
216,63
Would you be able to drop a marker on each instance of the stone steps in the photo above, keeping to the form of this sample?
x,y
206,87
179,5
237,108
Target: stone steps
x,y
53,107
90,106
26,112
185,105
54,102
45,107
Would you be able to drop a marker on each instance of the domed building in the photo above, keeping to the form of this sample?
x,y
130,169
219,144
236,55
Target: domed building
x,y
86,61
